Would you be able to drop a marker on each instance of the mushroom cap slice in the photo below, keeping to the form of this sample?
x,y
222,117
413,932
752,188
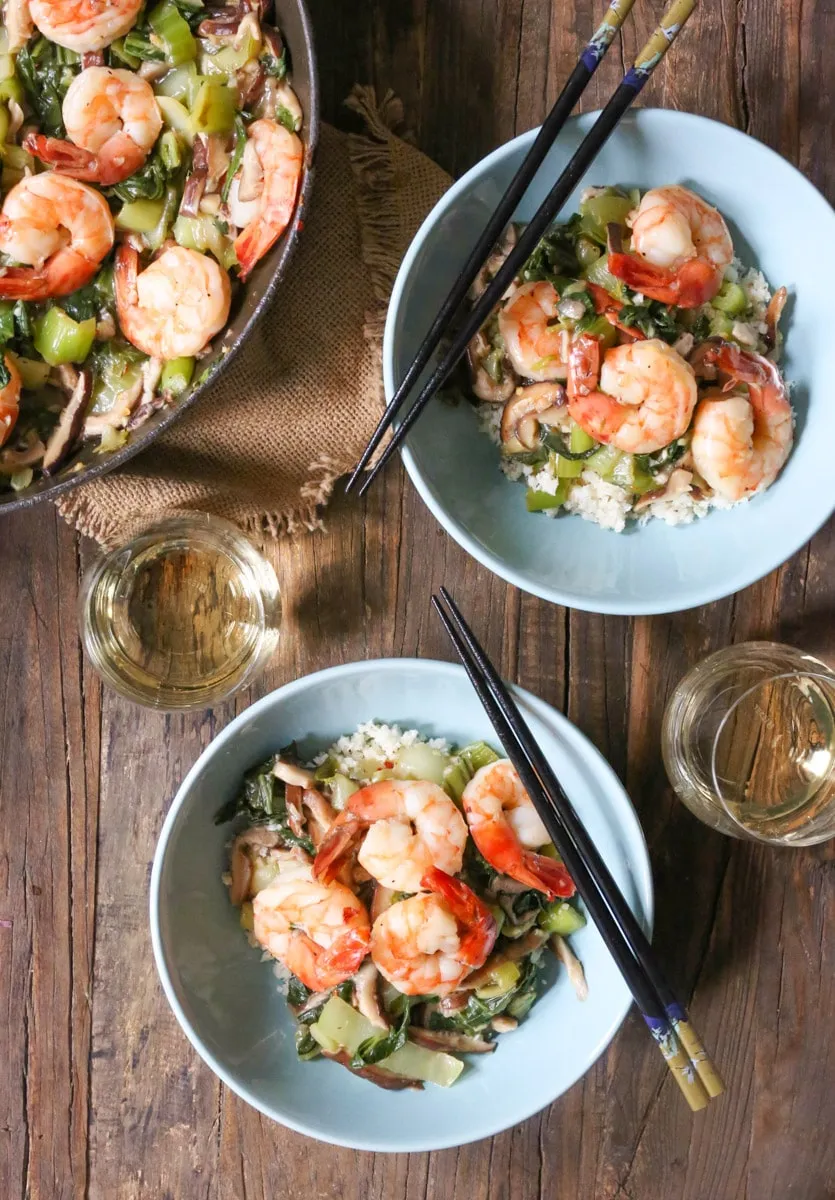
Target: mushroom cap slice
x,y
528,409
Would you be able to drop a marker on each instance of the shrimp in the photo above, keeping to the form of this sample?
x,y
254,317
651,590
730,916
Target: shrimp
x,y
175,306
60,228
507,829
647,393
112,122
429,943
740,443
9,399
534,347
680,248
84,25
320,932
409,826
277,156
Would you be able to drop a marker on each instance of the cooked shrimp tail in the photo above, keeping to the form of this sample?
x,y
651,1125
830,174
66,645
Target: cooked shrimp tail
x,y
279,156
60,228
741,442
473,914
429,943
507,830
112,123
321,933
343,836
640,399
680,248
692,284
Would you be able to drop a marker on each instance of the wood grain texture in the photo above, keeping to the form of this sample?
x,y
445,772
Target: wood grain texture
x,y
100,1094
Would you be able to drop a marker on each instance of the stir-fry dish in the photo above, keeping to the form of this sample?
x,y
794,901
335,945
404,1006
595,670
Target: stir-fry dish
x,y
630,369
150,157
411,892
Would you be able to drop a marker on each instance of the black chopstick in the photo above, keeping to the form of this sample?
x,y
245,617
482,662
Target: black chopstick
x,y
587,64
667,1020
632,83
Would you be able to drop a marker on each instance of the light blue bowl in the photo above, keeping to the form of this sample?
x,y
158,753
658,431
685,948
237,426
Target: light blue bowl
x,y
227,1000
782,225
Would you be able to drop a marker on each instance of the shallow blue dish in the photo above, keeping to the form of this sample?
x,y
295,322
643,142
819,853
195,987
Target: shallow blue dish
x,y
226,999
780,224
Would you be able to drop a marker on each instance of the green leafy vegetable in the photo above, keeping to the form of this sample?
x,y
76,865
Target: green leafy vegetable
x,y
148,183
192,10
277,67
555,257
665,457
235,160
5,373
286,118
262,799
46,71
297,992
476,1017
83,304
555,441
653,319
139,47
380,1045
306,1045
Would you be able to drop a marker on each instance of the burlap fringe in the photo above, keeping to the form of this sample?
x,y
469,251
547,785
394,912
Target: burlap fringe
x,y
370,156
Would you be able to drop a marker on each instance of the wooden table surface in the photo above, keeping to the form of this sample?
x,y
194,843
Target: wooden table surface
x,y
100,1093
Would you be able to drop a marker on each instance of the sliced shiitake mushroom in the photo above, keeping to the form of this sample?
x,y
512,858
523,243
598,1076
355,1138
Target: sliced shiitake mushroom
x,y
485,387
528,409
71,421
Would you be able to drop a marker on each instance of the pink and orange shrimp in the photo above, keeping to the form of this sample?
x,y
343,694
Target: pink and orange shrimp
x,y
741,442
175,306
507,830
402,827
320,932
60,228
112,123
533,343
680,248
274,157
640,399
84,25
429,943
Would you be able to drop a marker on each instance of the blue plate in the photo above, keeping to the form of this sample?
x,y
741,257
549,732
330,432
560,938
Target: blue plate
x,y
780,224
227,1000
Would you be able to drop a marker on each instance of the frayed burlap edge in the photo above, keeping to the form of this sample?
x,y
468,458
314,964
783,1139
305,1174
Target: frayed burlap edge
x,y
370,157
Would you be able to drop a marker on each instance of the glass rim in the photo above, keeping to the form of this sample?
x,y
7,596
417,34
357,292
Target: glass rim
x,y
828,676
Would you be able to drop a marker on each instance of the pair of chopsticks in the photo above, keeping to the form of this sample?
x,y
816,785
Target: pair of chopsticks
x,y
633,81
666,1018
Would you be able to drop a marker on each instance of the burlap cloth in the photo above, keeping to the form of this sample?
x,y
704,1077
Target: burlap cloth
x,y
300,401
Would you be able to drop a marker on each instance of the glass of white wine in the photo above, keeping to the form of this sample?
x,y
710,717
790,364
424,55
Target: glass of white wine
x,y
182,615
749,743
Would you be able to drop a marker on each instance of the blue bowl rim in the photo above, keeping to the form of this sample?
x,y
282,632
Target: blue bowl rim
x,y
815,518
547,713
